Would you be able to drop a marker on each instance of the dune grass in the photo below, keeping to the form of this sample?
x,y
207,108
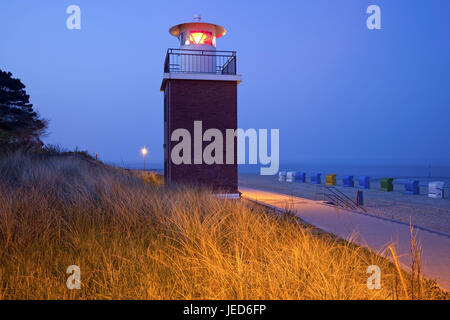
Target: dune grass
x,y
134,238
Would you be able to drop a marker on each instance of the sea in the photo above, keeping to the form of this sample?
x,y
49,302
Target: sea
x,y
401,173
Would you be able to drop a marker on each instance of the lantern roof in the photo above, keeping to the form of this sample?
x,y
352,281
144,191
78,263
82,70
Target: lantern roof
x,y
175,30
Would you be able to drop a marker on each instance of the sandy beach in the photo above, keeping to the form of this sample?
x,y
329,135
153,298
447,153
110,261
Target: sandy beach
x,y
425,212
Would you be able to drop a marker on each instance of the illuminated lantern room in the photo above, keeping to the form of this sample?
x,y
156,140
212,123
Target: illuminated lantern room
x,y
197,35
197,48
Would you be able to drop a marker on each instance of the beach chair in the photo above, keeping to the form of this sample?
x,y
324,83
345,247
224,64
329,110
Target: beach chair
x,y
282,176
364,182
300,177
316,178
436,189
386,184
412,187
330,180
290,176
348,182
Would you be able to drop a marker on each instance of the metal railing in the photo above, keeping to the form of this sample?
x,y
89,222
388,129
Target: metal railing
x,y
200,61
340,199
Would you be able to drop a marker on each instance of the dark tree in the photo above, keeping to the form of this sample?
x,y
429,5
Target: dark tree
x,y
20,126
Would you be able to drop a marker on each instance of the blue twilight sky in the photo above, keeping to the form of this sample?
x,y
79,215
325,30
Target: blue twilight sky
x,y
338,92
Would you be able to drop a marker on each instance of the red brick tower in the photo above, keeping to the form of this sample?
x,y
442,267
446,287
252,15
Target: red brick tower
x,y
200,84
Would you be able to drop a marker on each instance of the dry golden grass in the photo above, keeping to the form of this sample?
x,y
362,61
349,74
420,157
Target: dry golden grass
x,y
138,240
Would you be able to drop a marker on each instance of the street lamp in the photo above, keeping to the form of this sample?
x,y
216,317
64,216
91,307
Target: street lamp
x,y
144,152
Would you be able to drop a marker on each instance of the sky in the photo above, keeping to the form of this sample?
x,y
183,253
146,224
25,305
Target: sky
x,y
337,91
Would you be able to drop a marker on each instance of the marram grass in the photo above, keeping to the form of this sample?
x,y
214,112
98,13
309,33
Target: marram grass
x,y
133,238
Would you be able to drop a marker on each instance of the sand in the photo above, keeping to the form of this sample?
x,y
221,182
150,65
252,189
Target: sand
x,y
425,212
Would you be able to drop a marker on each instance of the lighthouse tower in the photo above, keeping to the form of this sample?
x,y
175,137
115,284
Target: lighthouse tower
x,y
200,93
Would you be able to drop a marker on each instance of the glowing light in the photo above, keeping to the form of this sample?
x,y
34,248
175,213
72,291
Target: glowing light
x,y
144,151
200,37
197,37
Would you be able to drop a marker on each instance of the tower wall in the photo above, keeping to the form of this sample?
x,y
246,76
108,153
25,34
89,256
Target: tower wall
x,y
213,102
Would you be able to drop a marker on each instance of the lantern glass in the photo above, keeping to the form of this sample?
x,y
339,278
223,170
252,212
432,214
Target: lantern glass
x,y
201,37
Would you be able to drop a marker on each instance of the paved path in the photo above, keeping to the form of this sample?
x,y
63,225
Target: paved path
x,y
370,231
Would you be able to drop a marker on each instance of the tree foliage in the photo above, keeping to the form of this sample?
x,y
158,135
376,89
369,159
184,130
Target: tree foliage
x,y
20,125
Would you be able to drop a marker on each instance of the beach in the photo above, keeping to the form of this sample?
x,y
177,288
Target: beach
x,y
433,214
